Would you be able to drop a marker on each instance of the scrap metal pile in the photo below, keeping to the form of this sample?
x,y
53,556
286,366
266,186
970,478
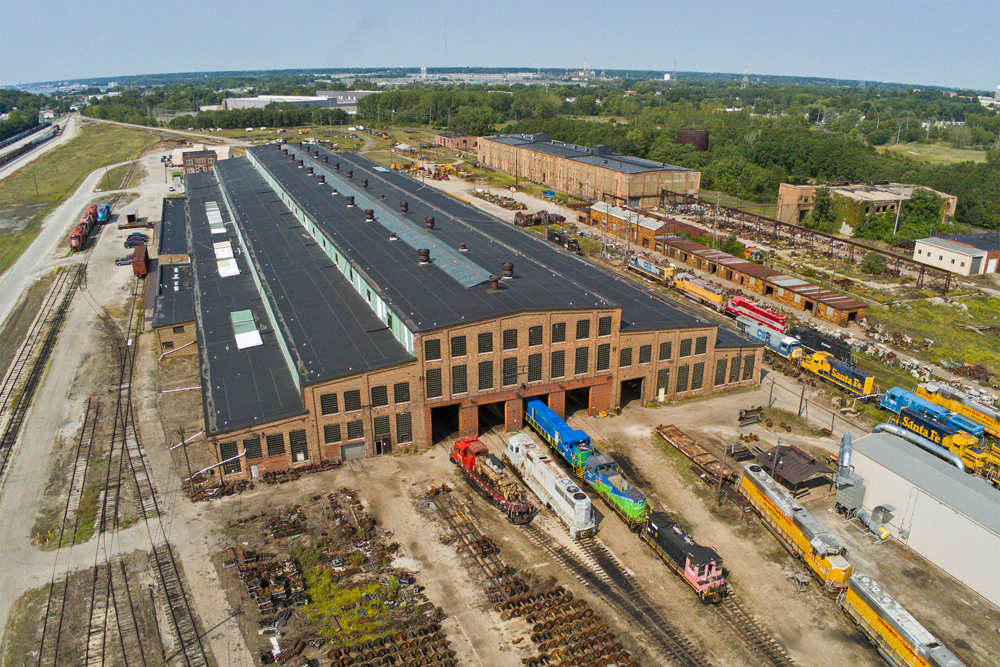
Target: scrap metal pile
x,y
503,202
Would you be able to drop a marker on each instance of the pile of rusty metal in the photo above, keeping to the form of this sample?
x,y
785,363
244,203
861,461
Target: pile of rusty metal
x,y
971,371
423,645
273,585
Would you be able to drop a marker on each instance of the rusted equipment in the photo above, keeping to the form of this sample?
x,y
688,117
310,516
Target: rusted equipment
x,y
750,416
701,457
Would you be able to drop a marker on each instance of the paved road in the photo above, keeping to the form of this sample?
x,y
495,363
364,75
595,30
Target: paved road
x,y
70,127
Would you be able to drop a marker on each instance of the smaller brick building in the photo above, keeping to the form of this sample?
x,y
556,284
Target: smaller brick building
x,y
853,203
638,229
195,161
456,141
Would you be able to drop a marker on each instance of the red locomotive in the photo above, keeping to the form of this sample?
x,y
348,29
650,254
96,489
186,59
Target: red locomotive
x,y
78,237
492,477
739,305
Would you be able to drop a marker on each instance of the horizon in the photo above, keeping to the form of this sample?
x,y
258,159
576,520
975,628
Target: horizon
x,y
917,44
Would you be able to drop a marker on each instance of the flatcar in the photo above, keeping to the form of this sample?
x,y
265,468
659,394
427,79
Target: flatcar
x,y
628,502
700,567
817,341
552,486
898,398
699,290
739,305
784,346
898,637
795,528
572,444
648,269
838,373
963,404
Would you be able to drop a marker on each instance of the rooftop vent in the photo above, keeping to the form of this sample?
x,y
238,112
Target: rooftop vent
x,y
463,248
285,151
369,215
495,283
424,256
364,182
404,206
309,170
381,197
350,200
350,173
326,159
322,178
336,166
429,222
334,191
393,237
507,269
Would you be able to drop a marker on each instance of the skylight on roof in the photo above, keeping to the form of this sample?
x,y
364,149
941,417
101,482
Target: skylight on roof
x,y
228,267
223,250
245,329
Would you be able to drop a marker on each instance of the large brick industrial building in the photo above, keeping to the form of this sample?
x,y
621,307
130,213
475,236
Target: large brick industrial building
x,y
335,322
585,172
854,202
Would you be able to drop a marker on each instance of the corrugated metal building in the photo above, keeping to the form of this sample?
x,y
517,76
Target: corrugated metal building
x,y
947,516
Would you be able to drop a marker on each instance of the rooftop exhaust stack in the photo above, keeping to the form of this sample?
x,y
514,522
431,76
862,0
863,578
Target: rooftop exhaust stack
x,y
495,283
350,173
309,170
923,443
463,248
404,207
364,183
844,460
393,237
336,166
507,269
424,256
326,159
322,178
429,222
369,215
350,201
285,151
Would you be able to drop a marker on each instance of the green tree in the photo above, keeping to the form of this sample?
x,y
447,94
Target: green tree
x,y
873,264
823,216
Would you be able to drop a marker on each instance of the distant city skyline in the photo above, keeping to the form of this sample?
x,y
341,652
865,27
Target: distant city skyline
x,y
952,44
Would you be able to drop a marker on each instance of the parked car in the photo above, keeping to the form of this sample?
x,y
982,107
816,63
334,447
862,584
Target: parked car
x,y
138,235
123,261
133,243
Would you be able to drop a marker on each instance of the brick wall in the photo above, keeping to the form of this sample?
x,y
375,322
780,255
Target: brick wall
x,y
176,337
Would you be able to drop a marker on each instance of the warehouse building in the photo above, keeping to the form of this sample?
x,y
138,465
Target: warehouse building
x,y
964,254
947,516
583,171
853,202
640,230
344,311
456,141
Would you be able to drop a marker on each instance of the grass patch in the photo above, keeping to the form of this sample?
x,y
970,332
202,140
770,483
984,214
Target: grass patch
x,y
359,618
937,153
35,190
799,425
23,626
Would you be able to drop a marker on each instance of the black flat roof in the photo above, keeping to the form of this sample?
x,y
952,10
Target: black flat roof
x,y
600,156
546,276
328,327
173,228
990,241
240,388
728,339
174,301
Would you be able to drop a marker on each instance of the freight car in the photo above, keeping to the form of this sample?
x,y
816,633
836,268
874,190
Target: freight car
x,y
739,305
651,270
492,477
572,444
957,442
700,567
103,213
817,341
140,262
565,240
699,290
785,347
795,528
896,635
964,405
554,487
838,373
628,502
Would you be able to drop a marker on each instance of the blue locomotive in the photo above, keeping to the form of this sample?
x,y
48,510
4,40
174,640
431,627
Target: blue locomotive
x,y
897,398
782,345
103,212
572,444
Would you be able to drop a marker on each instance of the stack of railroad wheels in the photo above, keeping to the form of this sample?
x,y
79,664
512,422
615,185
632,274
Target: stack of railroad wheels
x,y
425,646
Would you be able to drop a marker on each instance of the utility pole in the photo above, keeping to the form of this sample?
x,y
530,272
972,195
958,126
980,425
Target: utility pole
x,y
899,207
186,460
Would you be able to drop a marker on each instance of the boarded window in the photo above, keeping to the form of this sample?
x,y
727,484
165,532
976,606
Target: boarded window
x,y
228,450
734,370
252,448
331,434
685,348
604,357
558,368
381,428
698,376
582,329
485,342
434,383
276,444
682,378
701,345
663,380
645,354
299,444
510,371
748,362
604,326
534,367
355,430
404,427
179,329
666,350
432,350
534,336
510,339
380,396
328,404
720,372
485,375
401,392
168,344
458,346
352,400
459,379
582,360
625,357
559,332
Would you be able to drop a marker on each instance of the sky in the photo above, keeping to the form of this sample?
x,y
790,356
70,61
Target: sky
x,y
951,43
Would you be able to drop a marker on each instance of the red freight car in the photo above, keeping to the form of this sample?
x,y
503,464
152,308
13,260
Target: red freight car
x,y
140,261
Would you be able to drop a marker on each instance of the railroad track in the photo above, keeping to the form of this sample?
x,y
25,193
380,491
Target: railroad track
x,y
610,580
191,648
738,617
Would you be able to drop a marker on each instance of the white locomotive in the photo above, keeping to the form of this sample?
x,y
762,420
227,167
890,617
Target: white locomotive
x,y
554,487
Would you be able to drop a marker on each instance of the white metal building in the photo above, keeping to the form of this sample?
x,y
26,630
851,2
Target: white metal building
x,y
964,254
947,516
